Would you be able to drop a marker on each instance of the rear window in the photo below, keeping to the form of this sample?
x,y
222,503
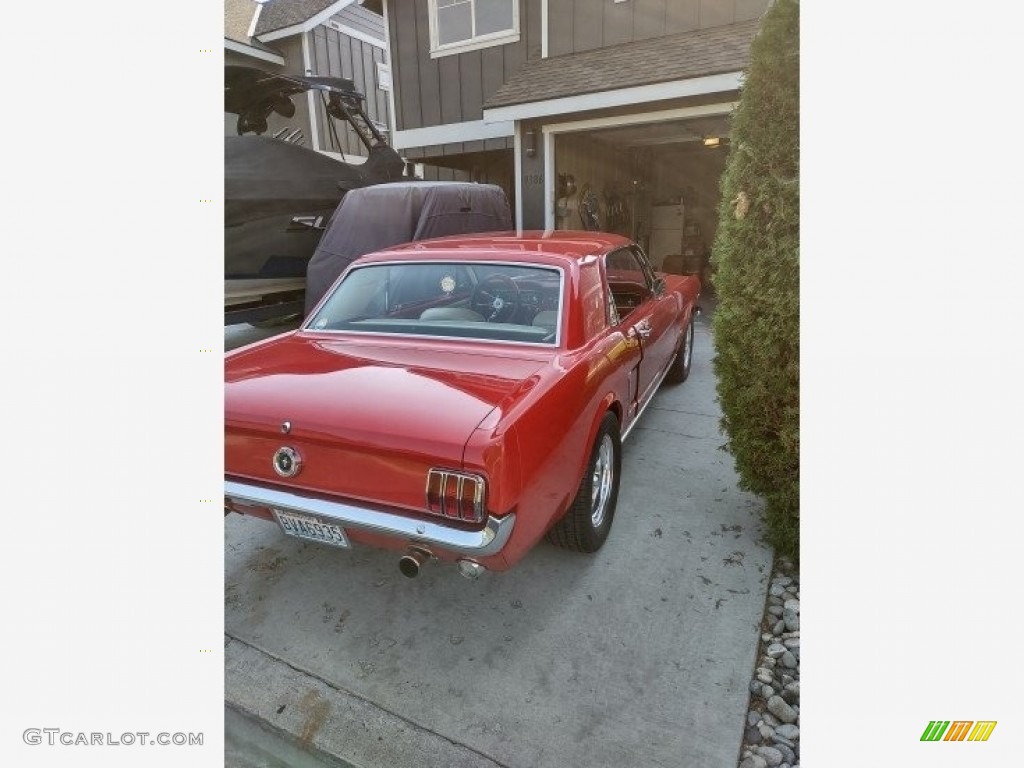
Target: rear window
x,y
485,301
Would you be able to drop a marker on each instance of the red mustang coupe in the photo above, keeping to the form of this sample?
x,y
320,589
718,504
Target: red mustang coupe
x,y
459,398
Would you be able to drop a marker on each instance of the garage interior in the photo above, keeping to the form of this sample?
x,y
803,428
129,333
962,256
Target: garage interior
x,y
656,183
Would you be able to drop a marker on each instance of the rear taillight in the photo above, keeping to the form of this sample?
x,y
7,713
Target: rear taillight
x,y
456,495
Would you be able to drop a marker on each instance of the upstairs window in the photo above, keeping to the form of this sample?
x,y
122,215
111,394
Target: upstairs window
x,y
465,25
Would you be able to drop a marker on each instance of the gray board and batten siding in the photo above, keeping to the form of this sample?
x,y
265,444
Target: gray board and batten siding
x,y
582,25
361,20
450,89
454,88
335,54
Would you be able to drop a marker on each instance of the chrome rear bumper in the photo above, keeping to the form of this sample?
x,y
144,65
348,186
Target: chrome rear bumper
x,y
488,541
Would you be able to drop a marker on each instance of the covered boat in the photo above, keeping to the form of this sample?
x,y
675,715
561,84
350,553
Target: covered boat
x,y
279,195
399,212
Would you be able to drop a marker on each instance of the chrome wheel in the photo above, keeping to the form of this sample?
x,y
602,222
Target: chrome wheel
x,y
586,523
601,481
679,369
688,347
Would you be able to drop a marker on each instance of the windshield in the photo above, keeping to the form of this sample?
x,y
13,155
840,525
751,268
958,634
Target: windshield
x,y
468,300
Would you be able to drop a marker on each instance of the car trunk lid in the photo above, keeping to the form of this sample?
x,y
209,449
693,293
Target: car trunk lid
x,y
368,420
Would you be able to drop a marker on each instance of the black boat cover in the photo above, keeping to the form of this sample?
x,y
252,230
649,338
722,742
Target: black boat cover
x,y
277,194
371,218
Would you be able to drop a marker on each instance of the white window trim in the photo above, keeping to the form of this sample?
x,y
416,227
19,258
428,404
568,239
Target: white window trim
x,y
543,29
517,159
307,69
450,133
392,109
475,43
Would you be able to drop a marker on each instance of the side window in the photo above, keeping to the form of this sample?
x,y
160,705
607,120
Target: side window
x,y
466,25
613,310
627,267
645,265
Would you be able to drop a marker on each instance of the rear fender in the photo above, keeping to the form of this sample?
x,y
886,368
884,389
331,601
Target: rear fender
x,y
497,455
609,403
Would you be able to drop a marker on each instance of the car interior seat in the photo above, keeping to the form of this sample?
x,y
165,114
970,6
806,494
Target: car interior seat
x,y
546,318
451,313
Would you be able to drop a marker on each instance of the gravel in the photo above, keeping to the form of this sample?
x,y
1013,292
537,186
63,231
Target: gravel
x,y
771,737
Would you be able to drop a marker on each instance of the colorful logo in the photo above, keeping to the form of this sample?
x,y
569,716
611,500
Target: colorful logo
x,y
958,730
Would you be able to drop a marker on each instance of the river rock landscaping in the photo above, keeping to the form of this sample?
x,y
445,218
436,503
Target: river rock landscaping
x,y
772,732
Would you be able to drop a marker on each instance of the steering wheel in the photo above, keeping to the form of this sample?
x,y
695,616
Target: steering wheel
x,y
496,298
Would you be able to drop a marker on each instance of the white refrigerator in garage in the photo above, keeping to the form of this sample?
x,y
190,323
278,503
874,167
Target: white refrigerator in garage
x,y
666,232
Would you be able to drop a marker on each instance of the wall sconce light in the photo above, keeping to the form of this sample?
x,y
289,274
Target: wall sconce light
x,y
531,142
711,141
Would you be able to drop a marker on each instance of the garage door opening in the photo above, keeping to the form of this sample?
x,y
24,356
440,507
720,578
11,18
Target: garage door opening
x,y
656,183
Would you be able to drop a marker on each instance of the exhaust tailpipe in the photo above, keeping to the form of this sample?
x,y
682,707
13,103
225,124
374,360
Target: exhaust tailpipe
x,y
411,562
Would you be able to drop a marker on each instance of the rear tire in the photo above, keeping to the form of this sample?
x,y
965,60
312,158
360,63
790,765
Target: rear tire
x,y
679,370
586,524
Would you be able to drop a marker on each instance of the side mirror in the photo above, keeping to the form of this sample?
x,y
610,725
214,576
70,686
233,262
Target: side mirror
x,y
659,286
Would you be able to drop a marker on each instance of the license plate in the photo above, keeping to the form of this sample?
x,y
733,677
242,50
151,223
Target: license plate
x,y
311,529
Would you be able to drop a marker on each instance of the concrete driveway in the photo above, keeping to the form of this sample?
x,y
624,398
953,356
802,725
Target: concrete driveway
x,y
639,655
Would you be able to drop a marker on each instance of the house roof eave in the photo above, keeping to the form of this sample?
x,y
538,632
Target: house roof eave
x,y
725,83
258,51
695,57
305,15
